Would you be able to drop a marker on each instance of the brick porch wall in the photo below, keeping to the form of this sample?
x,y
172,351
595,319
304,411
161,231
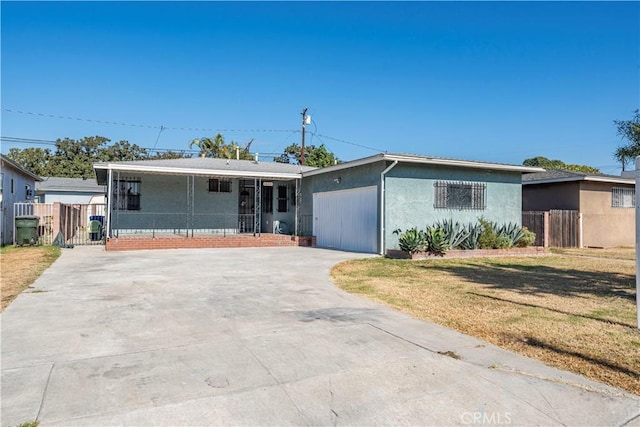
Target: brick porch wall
x,y
236,241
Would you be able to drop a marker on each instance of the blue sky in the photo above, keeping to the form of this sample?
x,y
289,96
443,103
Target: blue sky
x,y
485,81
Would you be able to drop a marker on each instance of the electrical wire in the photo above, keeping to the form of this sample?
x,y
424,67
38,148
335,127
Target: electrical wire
x,y
55,116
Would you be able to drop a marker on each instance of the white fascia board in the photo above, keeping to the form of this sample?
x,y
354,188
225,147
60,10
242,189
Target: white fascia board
x,y
199,172
581,178
425,161
463,163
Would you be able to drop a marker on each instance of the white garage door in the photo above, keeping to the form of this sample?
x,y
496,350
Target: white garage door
x,y
347,219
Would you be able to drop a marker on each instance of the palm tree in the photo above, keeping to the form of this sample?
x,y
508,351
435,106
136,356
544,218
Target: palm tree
x,y
210,147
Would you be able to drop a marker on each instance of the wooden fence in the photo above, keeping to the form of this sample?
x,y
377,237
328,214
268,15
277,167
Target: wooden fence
x,y
555,228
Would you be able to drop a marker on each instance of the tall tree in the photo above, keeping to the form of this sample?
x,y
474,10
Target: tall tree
x,y
32,159
543,162
75,158
218,148
629,130
319,156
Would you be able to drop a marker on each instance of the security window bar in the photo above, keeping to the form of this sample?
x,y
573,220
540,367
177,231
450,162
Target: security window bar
x,y
219,185
460,195
282,198
623,197
126,195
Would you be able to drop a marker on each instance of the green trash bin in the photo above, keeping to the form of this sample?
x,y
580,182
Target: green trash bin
x,y
27,230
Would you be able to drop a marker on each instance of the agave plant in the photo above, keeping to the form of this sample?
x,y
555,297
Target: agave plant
x,y
473,235
455,233
512,231
412,240
437,242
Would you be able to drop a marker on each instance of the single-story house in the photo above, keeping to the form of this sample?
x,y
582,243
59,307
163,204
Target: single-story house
x,y
355,206
84,191
16,185
606,203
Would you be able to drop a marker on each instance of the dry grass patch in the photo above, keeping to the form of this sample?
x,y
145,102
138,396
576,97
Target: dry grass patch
x,y
575,313
20,267
615,253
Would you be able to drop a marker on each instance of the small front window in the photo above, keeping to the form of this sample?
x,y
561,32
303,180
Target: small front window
x,y
219,185
459,195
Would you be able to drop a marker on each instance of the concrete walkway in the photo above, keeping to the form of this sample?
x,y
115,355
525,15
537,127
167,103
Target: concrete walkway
x,y
259,337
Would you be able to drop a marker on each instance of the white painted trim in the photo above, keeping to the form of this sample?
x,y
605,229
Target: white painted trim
x,y
382,205
196,172
426,161
582,178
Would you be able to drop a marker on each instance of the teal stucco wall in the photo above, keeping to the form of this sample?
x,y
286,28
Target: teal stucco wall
x,y
410,192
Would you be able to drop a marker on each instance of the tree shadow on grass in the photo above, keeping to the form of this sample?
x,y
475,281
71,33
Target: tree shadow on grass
x,y
536,342
544,280
584,316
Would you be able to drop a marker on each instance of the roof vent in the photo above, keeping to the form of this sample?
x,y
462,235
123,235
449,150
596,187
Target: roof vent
x,y
256,158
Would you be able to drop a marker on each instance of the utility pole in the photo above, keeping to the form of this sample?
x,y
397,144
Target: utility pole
x,y
304,120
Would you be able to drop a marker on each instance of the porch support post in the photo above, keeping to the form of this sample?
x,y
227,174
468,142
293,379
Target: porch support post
x,y
297,196
109,197
118,200
257,210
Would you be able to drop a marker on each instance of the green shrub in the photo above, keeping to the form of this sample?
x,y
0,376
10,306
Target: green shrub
x,y
503,242
528,238
488,238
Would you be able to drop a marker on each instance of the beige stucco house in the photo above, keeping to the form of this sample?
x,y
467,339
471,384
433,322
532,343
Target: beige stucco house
x,y
606,203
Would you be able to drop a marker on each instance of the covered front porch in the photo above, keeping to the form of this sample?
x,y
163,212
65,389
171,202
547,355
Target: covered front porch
x,y
212,203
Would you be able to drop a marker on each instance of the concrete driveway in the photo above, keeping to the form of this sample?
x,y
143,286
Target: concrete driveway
x,y
259,337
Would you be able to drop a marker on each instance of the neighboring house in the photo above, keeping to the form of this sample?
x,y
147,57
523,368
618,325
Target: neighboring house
x,y
352,206
606,203
17,185
70,191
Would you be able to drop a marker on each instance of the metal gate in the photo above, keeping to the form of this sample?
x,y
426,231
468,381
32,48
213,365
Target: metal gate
x,y
78,224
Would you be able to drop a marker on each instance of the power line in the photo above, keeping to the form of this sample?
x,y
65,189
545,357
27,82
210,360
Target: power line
x,y
56,116
349,142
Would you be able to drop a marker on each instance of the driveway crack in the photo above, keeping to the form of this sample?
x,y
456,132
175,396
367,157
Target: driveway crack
x,y
44,392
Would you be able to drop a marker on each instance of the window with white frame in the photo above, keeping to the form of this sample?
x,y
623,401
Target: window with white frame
x,y
459,195
126,194
623,197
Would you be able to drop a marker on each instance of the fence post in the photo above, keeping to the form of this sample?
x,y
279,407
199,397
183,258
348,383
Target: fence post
x,y
56,219
546,229
580,241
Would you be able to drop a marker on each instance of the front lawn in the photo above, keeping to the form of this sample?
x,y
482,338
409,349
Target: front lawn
x,y
20,267
574,312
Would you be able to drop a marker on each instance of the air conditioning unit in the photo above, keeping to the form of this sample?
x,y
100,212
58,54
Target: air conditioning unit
x,y
280,227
